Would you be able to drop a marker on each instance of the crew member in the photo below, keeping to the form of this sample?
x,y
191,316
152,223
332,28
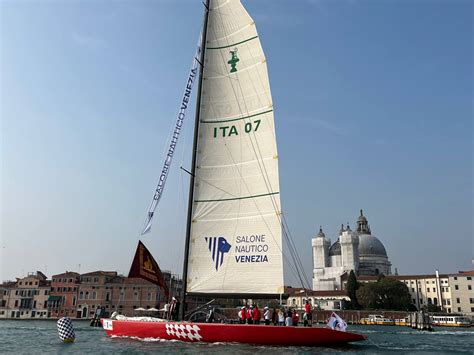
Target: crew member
x,y
266,315
256,315
242,315
308,316
249,315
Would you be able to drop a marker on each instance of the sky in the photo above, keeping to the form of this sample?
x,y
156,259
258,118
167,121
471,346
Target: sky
x,y
373,109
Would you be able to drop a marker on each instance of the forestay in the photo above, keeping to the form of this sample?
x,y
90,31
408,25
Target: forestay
x,y
235,244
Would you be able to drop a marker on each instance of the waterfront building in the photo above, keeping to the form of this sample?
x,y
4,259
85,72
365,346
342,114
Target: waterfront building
x,y
63,296
325,300
29,298
357,250
452,293
117,293
462,292
6,290
78,296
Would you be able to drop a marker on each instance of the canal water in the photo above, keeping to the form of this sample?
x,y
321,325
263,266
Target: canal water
x,y
41,337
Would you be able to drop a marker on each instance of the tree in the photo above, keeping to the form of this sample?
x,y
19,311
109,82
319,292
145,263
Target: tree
x,y
386,293
352,287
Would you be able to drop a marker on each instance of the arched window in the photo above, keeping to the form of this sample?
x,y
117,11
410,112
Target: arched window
x,y
435,301
430,301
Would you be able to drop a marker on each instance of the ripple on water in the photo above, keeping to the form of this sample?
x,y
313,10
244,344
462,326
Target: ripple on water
x,y
34,337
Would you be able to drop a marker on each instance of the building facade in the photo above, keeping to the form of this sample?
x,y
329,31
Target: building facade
x,y
29,297
357,250
325,300
78,296
452,293
62,301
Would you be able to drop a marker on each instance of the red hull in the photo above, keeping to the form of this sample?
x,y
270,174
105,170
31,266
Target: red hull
x,y
230,333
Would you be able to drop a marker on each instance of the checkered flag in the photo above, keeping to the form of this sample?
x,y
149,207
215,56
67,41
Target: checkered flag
x,y
66,330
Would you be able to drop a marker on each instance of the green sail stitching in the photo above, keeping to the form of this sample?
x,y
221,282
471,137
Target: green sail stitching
x,y
235,44
237,119
238,198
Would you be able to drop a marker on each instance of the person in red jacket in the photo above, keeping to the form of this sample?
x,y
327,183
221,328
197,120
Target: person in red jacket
x,y
308,316
256,315
249,315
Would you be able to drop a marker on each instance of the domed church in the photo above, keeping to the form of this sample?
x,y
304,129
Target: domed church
x,y
357,250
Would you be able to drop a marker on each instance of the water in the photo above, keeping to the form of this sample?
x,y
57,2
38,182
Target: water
x,y
40,337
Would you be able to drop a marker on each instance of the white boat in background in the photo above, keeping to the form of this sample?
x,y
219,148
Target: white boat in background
x,y
376,319
450,321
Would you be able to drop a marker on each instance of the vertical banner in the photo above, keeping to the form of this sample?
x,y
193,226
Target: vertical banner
x,y
174,139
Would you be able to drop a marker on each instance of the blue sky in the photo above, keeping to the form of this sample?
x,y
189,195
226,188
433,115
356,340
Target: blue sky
x,y
373,106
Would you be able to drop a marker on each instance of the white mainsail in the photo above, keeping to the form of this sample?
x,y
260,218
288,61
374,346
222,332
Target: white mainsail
x,y
235,241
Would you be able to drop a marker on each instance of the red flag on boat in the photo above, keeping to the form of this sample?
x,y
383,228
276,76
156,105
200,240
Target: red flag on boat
x,y
145,267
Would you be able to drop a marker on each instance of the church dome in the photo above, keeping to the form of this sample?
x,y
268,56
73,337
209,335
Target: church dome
x,y
335,249
370,245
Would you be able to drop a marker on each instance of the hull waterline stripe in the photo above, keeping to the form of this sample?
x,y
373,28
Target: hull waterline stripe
x,y
231,45
238,198
237,119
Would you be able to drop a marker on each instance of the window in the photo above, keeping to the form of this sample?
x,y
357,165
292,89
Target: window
x,y
469,278
135,296
448,302
471,300
16,303
455,277
414,301
81,295
458,300
472,309
456,287
459,309
94,295
469,287
412,289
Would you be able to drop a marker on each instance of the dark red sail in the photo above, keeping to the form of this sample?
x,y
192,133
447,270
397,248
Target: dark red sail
x,y
145,267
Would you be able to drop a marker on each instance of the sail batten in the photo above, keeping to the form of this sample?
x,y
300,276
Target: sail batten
x,y
235,240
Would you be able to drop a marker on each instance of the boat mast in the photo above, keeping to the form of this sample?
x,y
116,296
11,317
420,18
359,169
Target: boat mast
x,y
193,164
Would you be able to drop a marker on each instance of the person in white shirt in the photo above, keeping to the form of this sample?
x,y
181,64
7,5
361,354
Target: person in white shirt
x,y
266,315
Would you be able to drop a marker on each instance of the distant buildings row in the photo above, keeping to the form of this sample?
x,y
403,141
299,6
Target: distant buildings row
x,y
79,295
453,293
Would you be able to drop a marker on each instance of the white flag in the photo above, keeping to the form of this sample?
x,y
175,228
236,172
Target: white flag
x,y
337,323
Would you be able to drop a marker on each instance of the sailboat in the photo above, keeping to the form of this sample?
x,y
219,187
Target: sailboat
x,y
233,246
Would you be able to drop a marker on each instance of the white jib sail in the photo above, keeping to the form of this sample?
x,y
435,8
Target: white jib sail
x,y
235,244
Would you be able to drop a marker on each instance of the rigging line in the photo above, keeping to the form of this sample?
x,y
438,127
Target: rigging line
x,y
285,226
294,245
291,245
